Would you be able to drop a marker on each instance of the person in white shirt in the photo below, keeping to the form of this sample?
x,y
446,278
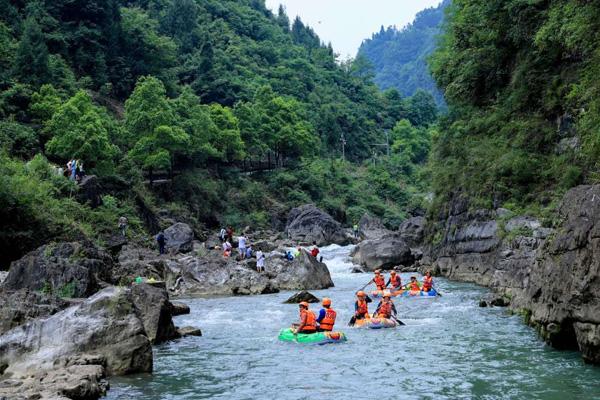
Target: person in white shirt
x,y
242,246
260,260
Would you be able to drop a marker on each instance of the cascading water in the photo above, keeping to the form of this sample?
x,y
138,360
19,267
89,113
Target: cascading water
x,y
449,349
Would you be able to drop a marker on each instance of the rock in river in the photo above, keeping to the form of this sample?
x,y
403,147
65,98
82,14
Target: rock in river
x,y
302,296
385,253
307,224
180,238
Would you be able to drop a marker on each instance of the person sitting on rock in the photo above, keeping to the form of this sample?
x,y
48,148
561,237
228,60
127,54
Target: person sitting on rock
x,y
315,250
386,307
427,282
308,320
249,251
395,282
227,248
413,284
361,306
327,315
296,253
379,280
289,256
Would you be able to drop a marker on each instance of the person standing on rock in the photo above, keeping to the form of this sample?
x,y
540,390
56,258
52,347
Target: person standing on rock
x,y
355,229
242,246
222,234
327,316
123,225
229,232
162,241
260,260
395,281
308,320
315,252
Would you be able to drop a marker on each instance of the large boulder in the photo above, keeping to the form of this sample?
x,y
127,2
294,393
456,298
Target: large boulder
x,y
76,269
308,224
90,191
370,227
105,328
384,253
155,311
21,306
304,272
180,238
136,261
412,231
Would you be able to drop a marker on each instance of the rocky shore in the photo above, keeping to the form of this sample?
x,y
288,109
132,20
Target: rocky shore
x,y
550,274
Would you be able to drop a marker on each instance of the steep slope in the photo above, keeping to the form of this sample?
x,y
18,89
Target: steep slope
x,y
399,56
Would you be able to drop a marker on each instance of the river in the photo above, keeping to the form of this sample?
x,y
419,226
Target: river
x,y
449,349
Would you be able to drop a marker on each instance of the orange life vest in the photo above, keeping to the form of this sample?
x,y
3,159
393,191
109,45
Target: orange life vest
x,y
395,281
427,283
311,320
362,307
414,285
379,282
328,320
385,310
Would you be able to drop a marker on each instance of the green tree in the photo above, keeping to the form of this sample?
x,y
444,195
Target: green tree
x,y
81,130
152,126
31,60
44,103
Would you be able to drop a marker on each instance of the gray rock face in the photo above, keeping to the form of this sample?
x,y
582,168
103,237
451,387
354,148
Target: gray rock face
x,y
179,308
189,331
180,238
18,307
74,269
413,231
307,224
105,327
155,312
302,296
384,253
370,227
90,191
304,272
551,275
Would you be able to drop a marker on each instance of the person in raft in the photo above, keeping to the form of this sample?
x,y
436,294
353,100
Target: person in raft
x,y
394,281
386,307
413,284
308,320
427,282
327,315
361,306
379,280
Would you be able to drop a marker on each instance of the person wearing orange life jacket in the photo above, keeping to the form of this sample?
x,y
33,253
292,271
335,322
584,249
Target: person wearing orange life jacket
x,y
413,284
394,281
308,320
386,307
427,282
327,315
379,280
361,306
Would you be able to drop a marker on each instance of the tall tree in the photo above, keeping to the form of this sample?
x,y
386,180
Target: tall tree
x,y
31,60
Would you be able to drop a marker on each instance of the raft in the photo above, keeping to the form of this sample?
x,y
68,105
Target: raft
x,y
375,323
286,335
406,293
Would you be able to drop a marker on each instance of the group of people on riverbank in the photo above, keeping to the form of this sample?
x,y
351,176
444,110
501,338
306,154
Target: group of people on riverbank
x,y
325,321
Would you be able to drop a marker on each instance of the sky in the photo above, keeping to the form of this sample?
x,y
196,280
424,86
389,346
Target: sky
x,y
346,23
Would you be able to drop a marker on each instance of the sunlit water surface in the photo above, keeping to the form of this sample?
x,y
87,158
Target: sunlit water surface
x,y
449,349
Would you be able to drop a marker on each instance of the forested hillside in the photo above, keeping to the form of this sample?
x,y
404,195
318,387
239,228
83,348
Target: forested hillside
x,y
521,81
399,56
194,91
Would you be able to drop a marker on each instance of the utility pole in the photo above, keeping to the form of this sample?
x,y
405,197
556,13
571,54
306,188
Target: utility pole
x,y
343,140
386,144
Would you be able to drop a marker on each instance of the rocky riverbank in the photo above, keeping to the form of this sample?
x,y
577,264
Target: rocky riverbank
x,y
73,314
549,274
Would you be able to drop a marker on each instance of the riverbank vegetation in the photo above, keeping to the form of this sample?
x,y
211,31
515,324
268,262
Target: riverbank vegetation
x,y
216,112
520,79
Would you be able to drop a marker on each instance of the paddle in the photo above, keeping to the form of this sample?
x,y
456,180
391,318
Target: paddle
x,y
363,288
397,320
352,321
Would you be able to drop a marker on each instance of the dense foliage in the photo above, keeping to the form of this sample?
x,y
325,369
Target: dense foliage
x,y
399,56
521,81
194,91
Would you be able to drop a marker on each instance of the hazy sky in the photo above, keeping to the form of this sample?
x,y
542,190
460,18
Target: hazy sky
x,y
346,23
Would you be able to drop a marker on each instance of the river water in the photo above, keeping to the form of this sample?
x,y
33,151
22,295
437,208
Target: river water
x,y
449,349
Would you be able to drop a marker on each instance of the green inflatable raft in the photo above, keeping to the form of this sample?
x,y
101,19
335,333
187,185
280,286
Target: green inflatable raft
x,y
286,335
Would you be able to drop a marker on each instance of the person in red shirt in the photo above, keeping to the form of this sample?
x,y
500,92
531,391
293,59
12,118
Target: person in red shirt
x,y
315,250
